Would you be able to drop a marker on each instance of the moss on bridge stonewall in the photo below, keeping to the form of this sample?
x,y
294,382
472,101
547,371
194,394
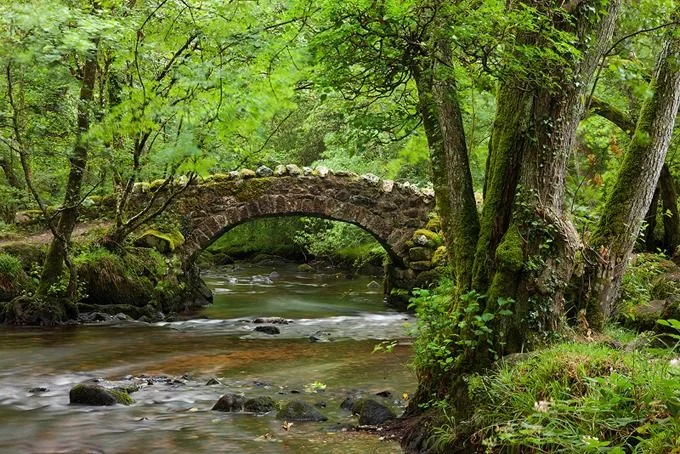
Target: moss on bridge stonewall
x,y
252,189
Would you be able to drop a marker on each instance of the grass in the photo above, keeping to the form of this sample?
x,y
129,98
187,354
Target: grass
x,y
577,397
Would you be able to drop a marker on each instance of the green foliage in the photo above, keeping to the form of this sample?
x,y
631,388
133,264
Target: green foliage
x,y
10,266
636,285
580,398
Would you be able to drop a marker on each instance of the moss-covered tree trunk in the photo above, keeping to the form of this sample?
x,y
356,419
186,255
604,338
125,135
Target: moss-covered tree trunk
x,y
57,253
8,208
619,226
526,249
451,176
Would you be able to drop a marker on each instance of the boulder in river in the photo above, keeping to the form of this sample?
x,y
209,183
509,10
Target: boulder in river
x,y
90,394
262,404
298,410
230,403
272,320
372,413
268,329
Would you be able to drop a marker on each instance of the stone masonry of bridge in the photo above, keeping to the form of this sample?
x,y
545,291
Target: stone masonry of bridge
x,y
394,213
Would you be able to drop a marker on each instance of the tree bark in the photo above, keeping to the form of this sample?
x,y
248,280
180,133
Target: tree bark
x,y
665,188
57,254
451,176
671,217
619,226
650,221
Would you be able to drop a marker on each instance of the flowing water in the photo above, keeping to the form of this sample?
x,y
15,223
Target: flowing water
x,y
321,356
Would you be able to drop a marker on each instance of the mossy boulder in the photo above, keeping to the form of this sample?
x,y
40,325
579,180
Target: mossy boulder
x,y
91,394
163,242
418,254
372,413
111,279
262,404
643,317
298,410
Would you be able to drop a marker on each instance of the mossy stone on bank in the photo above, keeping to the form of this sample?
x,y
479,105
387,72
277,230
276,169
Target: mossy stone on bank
x,y
110,279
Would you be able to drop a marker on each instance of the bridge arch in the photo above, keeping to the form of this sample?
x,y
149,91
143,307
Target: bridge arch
x,y
390,212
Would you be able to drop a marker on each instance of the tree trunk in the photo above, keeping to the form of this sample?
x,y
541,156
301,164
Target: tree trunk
x,y
57,254
619,226
526,247
9,207
671,217
451,174
650,221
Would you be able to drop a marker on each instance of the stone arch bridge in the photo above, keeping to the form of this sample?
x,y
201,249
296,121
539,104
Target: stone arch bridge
x,y
393,213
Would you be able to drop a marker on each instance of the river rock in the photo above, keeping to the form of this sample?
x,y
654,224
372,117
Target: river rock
x,y
304,268
262,404
90,394
320,336
39,389
373,284
372,413
272,320
268,329
298,410
229,403
213,381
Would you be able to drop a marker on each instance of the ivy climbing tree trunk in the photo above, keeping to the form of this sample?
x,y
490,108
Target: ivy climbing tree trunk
x,y
57,253
619,226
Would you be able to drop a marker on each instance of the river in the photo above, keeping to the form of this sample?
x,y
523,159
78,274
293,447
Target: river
x,y
175,360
